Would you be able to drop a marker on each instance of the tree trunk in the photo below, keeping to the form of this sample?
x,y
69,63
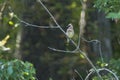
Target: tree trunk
x,y
104,35
18,52
100,30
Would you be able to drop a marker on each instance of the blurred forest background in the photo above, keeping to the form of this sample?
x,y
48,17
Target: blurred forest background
x,y
28,43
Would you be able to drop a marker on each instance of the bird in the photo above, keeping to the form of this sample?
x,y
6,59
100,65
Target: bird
x,y
69,32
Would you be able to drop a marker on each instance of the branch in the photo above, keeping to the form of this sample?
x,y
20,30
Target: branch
x,y
99,45
97,41
102,69
28,24
105,69
78,74
74,51
2,9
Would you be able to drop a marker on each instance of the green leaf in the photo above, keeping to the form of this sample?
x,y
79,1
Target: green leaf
x,y
1,1
10,70
113,15
11,23
82,56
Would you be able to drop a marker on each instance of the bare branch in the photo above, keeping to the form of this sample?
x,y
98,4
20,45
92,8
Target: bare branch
x,y
74,51
99,45
105,69
87,77
28,24
78,74
102,69
97,41
2,9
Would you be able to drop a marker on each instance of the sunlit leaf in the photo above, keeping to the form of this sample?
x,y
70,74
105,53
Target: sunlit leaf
x,y
4,41
82,56
11,23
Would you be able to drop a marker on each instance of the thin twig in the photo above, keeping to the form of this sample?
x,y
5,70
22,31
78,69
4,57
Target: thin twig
x,y
2,9
33,25
88,75
78,74
90,40
79,37
102,69
100,50
28,24
105,69
74,51
99,45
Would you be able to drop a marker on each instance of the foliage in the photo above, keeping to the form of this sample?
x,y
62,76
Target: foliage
x,y
16,70
110,7
113,15
13,69
1,1
8,35
112,65
36,41
115,66
8,31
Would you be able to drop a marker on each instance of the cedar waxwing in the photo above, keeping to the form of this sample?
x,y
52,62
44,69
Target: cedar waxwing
x,y
70,32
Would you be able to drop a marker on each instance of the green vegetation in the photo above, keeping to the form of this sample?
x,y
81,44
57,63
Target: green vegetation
x,y
16,70
110,7
27,31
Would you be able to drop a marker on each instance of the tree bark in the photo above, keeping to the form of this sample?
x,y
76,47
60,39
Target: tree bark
x,y
18,51
104,35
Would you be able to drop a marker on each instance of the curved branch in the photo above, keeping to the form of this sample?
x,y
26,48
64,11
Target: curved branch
x,y
102,69
116,78
74,51
99,45
97,41
28,24
91,72
78,74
